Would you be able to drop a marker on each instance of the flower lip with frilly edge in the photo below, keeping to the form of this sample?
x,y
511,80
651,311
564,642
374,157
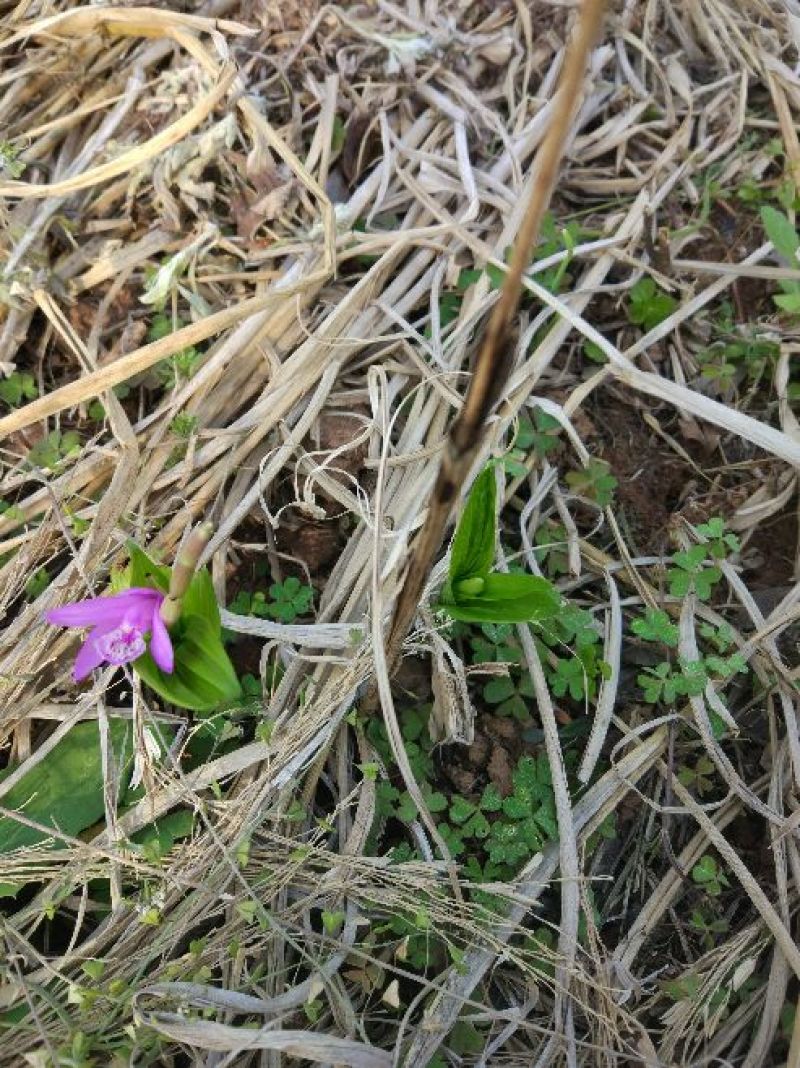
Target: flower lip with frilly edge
x,y
119,626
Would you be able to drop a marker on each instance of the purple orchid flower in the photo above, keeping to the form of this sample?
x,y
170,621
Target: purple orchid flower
x,y
119,625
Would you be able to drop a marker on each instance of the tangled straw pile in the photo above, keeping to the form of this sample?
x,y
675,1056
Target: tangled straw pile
x,y
302,187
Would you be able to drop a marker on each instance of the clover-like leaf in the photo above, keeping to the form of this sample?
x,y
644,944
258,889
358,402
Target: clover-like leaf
x,y
461,809
655,626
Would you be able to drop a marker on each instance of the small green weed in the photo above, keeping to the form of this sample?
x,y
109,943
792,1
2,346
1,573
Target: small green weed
x,y
690,573
12,512
473,592
493,835
648,305
576,672
551,549
593,482
511,696
726,362
527,818
184,425
19,386
97,410
655,626
667,681
554,239
709,876
287,601
290,599
494,643
538,434
720,541
664,684
698,777
37,583
781,232
180,367
709,928
10,163
51,450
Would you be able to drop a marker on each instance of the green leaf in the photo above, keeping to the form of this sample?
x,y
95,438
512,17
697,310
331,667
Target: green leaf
x,y
406,808
704,870
534,777
680,582
546,818
452,839
541,433
478,826
65,789
781,233
516,808
491,800
338,134
690,573
508,599
143,571
37,583
789,302
200,599
52,449
468,276
649,305
449,309
655,626
500,689
16,387
204,678
465,1038
290,600
332,922
569,675
496,275
158,838
461,809
695,677
594,481
593,352
435,801
472,553
659,683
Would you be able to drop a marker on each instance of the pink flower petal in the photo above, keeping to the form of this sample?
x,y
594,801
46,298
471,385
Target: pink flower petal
x,y
121,645
89,657
160,644
136,605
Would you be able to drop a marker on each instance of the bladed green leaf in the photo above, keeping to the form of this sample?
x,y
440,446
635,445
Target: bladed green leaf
x,y
781,233
508,599
200,599
65,789
472,553
142,571
204,678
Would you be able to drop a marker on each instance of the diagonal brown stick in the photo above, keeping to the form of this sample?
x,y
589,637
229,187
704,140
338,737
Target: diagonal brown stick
x,y
493,363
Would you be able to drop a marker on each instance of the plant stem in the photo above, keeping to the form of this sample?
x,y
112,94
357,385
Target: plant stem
x,y
493,363
183,571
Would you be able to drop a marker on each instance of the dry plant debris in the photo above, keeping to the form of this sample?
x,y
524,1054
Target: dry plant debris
x,y
247,255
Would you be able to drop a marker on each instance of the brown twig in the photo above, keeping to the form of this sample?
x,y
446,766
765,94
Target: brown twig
x,y
493,362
